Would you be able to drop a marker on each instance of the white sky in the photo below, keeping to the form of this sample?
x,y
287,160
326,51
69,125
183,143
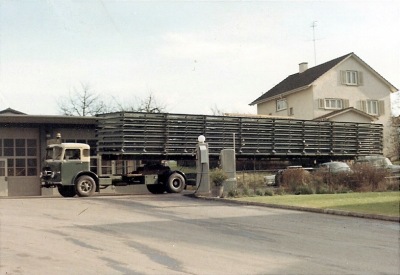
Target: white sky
x,y
191,55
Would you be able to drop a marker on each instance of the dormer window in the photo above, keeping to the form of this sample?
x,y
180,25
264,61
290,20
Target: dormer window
x,y
281,104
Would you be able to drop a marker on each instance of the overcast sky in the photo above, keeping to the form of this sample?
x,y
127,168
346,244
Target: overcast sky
x,y
191,55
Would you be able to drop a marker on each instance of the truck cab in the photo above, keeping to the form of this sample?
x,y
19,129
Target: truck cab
x,y
67,167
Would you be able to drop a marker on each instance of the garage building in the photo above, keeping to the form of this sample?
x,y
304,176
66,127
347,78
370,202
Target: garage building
x,y
23,140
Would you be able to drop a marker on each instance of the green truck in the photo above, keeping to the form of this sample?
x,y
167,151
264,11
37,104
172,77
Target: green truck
x,y
67,168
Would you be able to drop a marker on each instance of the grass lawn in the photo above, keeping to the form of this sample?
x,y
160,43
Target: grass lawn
x,y
381,203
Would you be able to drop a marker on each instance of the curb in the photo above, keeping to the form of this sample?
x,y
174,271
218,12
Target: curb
x,y
304,209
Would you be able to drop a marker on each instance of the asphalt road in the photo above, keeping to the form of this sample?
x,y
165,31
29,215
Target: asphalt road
x,y
177,234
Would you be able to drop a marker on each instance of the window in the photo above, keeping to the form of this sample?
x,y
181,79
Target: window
x,y
32,167
8,147
31,147
20,167
281,104
21,156
10,167
333,103
72,154
351,78
20,148
372,107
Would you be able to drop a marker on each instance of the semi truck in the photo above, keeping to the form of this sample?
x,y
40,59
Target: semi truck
x,y
137,136
67,168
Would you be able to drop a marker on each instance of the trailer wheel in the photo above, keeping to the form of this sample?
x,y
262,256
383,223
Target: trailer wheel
x,y
176,183
85,186
156,188
67,191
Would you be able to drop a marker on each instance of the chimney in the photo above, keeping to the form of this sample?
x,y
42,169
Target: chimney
x,y
303,67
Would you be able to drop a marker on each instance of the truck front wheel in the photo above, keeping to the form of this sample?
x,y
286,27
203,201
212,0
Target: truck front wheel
x,y
67,191
85,186
176,183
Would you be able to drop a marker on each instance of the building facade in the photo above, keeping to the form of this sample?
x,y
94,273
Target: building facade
x,y
23,141
344,89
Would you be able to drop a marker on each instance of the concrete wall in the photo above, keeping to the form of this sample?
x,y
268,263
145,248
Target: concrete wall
x,y
24,186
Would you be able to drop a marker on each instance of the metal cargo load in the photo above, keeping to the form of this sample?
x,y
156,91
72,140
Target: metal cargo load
x,y
175,136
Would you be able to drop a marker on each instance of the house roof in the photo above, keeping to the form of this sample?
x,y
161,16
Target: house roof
x,y
301,81
7,120
10,111
343,111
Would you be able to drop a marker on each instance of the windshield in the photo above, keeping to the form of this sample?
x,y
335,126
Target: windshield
x,y
54,153
49,153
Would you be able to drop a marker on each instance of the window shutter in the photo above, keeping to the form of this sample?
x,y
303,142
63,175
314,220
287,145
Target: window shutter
x,y
381,106
346,103
363,105
343,77
360,79
321,103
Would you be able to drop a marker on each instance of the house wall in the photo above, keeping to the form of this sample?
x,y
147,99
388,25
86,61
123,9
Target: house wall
x,y
329,86
353,117
267,108
301,102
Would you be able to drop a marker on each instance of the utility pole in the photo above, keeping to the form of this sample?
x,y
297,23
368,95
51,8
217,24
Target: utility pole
x,y
313,26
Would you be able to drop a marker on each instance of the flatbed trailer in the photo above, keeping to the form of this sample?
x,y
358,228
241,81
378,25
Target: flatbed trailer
x,y
174,136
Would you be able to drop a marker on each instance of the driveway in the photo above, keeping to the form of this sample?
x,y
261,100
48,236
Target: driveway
x,y
177,234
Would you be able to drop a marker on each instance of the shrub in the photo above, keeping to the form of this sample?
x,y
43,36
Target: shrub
x,y
259,192
293,178
303,190
367,177
393,185
245,191
233,193
323,189
218,176
280,191
268,192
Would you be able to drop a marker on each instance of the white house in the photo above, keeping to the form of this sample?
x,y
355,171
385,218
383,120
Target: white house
x,y
343,89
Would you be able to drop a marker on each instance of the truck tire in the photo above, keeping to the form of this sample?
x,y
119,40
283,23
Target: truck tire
x,y
85,186
156,188
67,191
176,183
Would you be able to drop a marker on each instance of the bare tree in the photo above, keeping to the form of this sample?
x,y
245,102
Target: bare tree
x,y
83,102
148,104
216,111
395,138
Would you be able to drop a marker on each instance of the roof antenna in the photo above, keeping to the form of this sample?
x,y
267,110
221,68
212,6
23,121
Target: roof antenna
x,y
313,26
